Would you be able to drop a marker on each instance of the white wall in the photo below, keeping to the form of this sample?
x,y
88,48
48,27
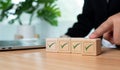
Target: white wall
x,y
69,9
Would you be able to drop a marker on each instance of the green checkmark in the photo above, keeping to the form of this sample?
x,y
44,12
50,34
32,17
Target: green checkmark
x,y
62,46
76,45
51,45
88,46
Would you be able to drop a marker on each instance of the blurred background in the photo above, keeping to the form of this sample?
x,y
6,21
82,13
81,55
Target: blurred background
x,y
69,11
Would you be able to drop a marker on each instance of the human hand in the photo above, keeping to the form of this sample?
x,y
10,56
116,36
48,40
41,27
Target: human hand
x,y
110,30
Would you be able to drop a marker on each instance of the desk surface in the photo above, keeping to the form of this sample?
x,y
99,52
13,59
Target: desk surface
x,y
38,59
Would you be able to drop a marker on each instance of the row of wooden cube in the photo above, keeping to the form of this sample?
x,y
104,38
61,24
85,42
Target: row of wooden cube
x,y
74,45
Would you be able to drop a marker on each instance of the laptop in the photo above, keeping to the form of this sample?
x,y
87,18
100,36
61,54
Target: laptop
x,y
20,44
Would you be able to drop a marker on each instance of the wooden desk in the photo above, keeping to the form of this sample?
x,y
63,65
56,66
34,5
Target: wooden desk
x,y
38,59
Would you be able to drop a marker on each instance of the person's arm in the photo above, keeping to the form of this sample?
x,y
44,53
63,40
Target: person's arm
x,y
85,21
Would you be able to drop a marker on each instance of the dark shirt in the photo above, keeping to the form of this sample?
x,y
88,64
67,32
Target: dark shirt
x,y
94,13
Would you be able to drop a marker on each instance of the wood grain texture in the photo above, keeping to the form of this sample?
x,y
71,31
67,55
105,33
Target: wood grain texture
x,y
39,59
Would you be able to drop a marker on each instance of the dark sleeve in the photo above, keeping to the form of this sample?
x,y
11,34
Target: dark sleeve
x,y
85,21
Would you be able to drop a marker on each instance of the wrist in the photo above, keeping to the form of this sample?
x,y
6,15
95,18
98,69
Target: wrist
x,y
64,36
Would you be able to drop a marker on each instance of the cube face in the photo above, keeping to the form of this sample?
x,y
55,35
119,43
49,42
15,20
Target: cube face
x,y
76,45
98,46
64,45
90,47
52,45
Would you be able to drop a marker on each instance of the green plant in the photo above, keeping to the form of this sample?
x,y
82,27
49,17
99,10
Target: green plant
x,y
44,9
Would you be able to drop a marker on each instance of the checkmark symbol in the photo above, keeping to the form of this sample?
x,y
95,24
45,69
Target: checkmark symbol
x,y
87,47
62,46
51,45
76,45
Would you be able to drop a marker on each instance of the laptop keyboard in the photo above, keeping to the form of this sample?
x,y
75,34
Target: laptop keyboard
x,y
19,43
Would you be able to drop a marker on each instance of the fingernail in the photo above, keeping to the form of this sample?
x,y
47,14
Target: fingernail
x,y
92,36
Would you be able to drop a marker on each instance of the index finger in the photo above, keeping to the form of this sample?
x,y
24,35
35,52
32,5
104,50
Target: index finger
x,y
103,28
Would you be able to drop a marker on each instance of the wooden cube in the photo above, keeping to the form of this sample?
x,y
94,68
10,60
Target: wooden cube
x,y
52,45
64,45
76,45
91,47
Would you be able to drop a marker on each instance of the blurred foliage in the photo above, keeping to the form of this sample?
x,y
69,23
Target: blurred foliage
x,y
44,9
